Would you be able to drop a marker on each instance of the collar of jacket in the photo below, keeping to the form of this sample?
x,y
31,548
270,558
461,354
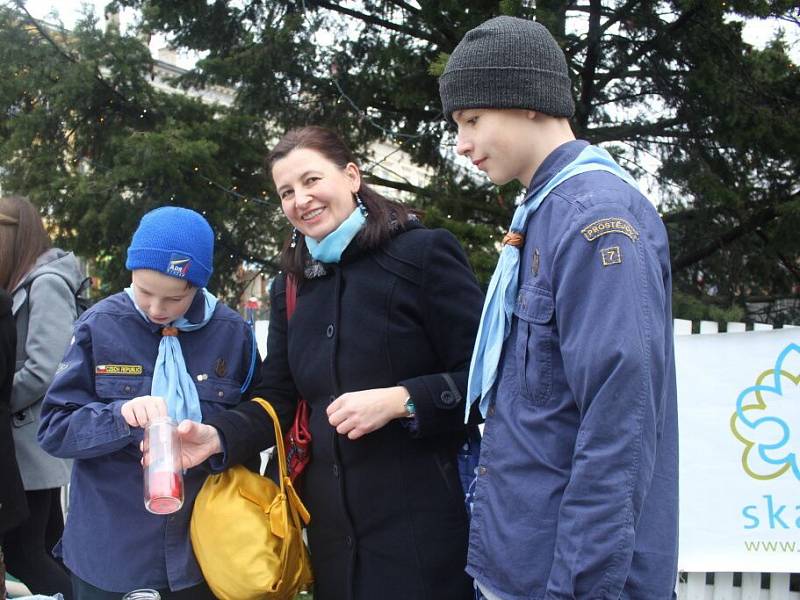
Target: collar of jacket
x,y
195,313
356,250
553,163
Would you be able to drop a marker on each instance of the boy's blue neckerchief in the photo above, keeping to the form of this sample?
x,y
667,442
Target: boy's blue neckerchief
x,y
171,380
330,248
502,293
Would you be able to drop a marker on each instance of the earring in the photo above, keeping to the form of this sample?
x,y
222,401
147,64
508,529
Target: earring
x,y
295,235
361,207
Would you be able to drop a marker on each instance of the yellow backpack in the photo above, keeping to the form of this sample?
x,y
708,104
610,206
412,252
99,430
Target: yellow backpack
x,y
247,532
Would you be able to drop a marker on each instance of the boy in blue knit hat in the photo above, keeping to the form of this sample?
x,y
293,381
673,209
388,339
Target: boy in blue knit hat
x,y
164,346
573,368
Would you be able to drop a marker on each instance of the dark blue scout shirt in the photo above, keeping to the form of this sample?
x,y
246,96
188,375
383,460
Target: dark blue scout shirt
x,y
577,494
110,540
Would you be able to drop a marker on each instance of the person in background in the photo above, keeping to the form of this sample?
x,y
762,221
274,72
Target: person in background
x,y
378,345
251,307
43,282
164,346
13,507
573,368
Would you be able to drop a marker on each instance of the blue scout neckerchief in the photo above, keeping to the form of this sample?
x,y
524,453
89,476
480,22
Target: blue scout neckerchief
x,y
171,380
499,305
330,248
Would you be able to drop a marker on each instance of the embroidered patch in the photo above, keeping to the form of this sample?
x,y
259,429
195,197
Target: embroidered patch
x,y
535,262
178,265
118,370
221,367
611,256
610,225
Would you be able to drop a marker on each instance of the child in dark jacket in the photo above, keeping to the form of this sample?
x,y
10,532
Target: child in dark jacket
x,y
164,346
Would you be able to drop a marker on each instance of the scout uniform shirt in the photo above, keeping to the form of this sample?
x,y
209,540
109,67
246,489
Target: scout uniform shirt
x,y
577,484
110,540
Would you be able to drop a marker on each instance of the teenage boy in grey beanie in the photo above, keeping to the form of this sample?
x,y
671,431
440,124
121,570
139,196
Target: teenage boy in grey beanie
x,y
573,368
164,346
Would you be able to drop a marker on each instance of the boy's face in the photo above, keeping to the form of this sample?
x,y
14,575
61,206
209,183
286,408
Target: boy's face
x,y
162,298
497,141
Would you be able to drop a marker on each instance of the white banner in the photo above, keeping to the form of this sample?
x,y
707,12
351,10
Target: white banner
x,y
739,416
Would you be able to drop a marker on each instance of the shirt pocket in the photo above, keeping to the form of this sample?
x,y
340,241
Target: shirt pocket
x,y
116,387
217,394
534,310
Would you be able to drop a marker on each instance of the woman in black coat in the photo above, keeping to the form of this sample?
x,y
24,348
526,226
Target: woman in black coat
x,y
13,507
379,345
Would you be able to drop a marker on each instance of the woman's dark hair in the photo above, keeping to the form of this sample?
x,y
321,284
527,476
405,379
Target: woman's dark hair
x,y
23,239
385,216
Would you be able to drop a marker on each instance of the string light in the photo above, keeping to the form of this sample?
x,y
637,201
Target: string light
x,y
232,191
388,133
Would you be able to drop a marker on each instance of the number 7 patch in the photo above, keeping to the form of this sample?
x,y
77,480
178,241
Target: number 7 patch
x,y
611,256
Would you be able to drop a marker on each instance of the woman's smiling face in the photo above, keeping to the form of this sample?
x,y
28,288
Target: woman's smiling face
x,y
316,195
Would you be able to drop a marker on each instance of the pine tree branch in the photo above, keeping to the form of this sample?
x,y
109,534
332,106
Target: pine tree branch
x,y
398,185
69,56
728,301
618,15
757,219
375,21
645,47
633,130
590,65
405,6
492,211
788,264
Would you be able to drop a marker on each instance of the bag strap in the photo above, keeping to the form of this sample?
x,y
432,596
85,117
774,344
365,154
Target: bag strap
x,y
291,295
287,488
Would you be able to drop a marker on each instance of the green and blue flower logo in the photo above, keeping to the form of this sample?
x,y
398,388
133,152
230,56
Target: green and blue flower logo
x,y
767,420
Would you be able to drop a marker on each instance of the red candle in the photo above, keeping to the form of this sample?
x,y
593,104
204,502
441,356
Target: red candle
x,y
165,493
163,477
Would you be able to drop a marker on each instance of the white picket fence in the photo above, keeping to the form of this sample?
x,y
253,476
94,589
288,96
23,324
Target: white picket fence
x,y
733,586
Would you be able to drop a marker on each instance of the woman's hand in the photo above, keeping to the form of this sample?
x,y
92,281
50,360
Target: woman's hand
x,y
198,442
357,413
139,411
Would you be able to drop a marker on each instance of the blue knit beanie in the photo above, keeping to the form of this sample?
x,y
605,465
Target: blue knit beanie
x,y
175,241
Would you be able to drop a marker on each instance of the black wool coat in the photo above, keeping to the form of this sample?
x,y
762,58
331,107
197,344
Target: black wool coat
x,y
13,506
387,511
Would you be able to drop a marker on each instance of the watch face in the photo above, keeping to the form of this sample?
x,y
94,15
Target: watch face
x,y
411,410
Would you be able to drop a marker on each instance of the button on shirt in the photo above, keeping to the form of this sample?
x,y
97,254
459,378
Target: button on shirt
x,y
110,540
577,494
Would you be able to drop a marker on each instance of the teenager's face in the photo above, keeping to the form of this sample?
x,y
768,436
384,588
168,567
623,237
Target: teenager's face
x,y
162,298
316,195
497,142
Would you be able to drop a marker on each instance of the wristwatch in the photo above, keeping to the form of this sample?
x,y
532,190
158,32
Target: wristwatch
x,y
411,409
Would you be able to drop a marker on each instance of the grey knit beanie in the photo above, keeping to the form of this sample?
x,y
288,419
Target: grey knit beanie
x,y
507,62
